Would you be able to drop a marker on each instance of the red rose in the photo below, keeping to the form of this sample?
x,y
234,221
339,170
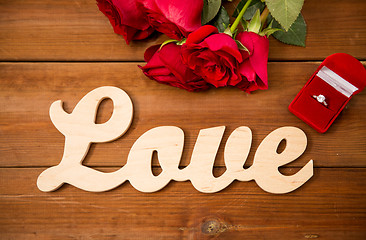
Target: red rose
x,y
213,56
166,66
175,18
254,67
126,19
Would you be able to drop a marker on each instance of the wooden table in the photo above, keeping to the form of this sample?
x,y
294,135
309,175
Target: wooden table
x,y
52,50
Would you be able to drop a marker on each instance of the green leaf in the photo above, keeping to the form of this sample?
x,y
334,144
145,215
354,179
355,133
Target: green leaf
x,y
285,11
249,13
222,20
295,35
210,10
255,23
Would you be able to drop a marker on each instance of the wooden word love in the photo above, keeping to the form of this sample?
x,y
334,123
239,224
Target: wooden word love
x,y
80,131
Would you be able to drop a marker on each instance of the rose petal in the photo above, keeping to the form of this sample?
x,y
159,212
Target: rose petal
x,y
126,18
176,19
260,58
170,56
246,39
149,53
131,14
200,34
247,71
215,59
166,66
186,14
161,24
139,35
223,42
154,62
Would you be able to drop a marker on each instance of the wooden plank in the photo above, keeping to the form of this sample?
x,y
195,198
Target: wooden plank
x,y
332,205
68,30
28,137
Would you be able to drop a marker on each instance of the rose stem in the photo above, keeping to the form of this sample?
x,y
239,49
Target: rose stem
x,y
240,16
264,16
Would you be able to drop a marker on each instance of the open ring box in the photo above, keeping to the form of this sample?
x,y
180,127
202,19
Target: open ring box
x,y
338,78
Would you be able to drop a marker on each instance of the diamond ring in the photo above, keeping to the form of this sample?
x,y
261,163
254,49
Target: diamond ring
x,y
320,98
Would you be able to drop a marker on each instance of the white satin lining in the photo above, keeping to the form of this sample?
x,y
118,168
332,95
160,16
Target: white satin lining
x,y
336,81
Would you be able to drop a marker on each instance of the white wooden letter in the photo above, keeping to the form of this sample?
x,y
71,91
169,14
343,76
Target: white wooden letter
x,y
267,161
237,148
168,142
80,130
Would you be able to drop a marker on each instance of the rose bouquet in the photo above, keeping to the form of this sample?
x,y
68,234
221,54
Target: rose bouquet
x,y
204,50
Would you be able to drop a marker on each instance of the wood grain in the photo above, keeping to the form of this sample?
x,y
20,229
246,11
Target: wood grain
x,y
75,30
332,205
42,46
28,138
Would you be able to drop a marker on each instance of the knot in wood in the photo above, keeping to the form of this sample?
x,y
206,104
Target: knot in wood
x,y
211,227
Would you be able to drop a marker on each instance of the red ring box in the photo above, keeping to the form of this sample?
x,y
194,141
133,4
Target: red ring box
x,y
339,77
